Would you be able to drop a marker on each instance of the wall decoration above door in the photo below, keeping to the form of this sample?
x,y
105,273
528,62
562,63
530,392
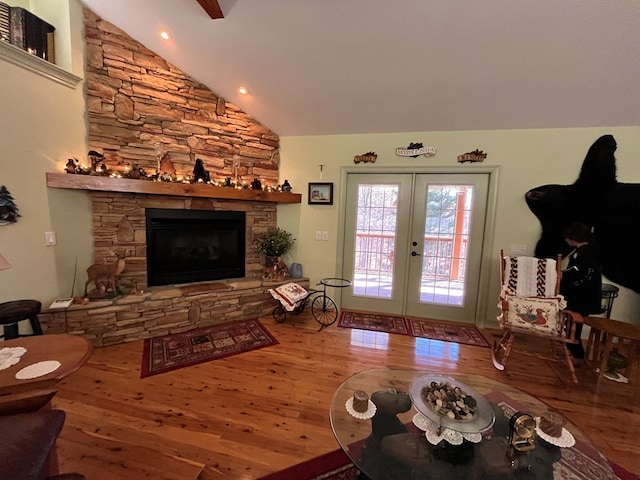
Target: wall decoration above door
x,y
475,156
369,157
415,150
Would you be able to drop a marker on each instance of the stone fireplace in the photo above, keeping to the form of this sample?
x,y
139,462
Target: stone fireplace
x,y
119,226
136,102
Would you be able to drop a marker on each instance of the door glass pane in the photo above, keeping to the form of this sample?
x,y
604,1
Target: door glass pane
x,y
446,237
376,220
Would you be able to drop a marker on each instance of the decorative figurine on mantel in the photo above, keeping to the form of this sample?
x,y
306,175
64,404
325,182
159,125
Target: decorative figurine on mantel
x,y
286,186
71,166
200,175
95,158
134,172
256,184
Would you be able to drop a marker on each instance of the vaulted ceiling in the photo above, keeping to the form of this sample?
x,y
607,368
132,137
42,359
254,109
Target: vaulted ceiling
x,y
317,67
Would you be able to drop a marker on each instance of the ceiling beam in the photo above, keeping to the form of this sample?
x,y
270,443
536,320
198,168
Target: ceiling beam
x,y
212,7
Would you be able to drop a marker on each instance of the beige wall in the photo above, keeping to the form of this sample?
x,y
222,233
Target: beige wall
x,y
41,125
526,159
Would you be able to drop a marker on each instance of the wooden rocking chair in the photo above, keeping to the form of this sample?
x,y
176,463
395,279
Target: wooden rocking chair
x,y
531,305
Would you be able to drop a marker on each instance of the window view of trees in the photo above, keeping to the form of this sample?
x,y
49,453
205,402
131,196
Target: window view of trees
x,y
376,222
445,238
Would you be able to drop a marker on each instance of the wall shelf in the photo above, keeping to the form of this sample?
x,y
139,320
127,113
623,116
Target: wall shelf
x,y
126,185
19,57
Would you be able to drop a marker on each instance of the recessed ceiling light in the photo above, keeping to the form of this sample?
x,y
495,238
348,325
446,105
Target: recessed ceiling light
x,y
165,34
243,90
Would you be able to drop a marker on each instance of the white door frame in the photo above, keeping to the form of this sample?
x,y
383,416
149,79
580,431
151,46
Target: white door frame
x,y
487,250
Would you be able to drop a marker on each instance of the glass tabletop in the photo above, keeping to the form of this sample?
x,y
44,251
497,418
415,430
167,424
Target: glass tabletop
x,y
391,446
336,282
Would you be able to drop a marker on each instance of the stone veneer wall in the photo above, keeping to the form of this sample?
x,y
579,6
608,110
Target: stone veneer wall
x,y
164,310
136,99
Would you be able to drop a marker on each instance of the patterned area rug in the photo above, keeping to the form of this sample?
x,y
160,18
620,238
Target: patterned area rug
x,y
447,331
336,465
416,327
378,322
173,351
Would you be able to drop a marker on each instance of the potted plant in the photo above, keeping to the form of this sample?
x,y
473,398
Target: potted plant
x,y
274,243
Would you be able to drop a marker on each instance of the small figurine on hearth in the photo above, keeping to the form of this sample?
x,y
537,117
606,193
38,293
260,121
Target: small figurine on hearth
x,y
286,186
200,175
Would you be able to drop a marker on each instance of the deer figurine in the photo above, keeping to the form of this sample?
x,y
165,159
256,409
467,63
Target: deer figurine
x,y
109,271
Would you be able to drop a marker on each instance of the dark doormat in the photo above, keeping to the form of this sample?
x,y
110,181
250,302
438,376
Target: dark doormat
x,y
177,350
378,322
417,327
447,331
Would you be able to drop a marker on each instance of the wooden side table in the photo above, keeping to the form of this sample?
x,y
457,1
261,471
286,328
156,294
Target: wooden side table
x,y
72,351
603,333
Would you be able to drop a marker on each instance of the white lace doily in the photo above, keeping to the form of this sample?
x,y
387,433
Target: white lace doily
x,y
37,369
370,412
565,440
430,429
10,356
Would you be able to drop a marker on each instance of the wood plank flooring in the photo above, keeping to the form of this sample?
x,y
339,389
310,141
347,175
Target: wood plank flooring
x,y
244,416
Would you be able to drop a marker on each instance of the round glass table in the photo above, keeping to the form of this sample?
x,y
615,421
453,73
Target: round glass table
x,y
388,441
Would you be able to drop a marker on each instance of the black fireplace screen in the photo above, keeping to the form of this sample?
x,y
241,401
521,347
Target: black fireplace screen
x,y
186,246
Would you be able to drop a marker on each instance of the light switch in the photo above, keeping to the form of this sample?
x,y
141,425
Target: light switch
x,y
325,235
318,235
50,239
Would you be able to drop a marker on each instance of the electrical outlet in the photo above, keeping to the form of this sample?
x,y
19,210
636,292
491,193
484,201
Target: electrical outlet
x,y
325,235
318,235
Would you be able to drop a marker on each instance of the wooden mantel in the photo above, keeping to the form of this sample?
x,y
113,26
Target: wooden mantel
x,y
126,185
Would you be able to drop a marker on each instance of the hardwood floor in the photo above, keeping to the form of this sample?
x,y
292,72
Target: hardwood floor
x,y
244,416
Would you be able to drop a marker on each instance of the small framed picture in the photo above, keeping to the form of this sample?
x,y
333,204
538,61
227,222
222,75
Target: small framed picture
x,y
320,193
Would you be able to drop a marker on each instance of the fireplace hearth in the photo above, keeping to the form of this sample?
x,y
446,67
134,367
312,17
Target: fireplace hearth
x,y
185,246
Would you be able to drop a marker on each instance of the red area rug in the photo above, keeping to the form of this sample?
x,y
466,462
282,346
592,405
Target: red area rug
x,y
416,327
336,465
447,331
177,350
378,322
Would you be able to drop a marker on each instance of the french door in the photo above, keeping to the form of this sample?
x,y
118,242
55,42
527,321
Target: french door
x,y
413,243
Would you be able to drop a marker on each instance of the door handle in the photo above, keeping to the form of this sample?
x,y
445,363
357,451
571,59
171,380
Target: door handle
x,y
415,254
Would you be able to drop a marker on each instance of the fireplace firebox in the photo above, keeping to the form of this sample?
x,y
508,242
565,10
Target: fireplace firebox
x,y
186,246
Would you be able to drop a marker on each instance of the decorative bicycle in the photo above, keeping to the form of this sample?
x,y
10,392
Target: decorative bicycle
x,y
323,308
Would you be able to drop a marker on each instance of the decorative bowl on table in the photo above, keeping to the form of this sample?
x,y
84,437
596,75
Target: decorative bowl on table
x,y
460,408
